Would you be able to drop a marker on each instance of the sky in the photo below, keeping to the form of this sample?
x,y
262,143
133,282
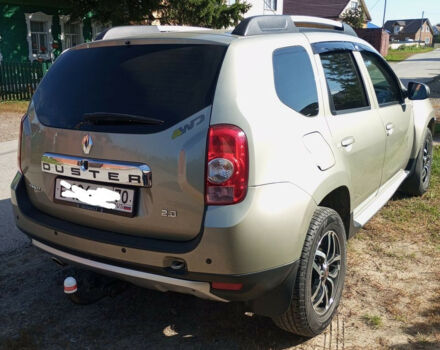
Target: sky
x,y
401,9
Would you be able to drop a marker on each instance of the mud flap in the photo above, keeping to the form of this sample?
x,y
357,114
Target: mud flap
x,y
277,301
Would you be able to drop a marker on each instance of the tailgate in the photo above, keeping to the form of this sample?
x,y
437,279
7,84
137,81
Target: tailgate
x,y
172,83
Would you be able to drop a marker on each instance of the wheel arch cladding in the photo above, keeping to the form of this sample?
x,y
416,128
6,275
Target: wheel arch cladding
x,y
424,117
339,200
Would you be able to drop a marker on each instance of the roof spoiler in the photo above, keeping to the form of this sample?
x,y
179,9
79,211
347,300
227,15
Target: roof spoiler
x,y
123,32
276,24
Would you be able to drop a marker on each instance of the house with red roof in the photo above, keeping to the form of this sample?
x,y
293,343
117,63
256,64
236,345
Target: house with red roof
x,y
331,9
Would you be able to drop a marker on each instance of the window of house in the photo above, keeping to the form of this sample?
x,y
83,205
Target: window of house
x,y
295,82
385,84
39,35
354,5
230,2
345,85
396,29
270,5
71,32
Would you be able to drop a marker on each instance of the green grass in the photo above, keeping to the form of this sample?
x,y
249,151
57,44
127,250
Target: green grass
x,y
374,321
14,106
403,53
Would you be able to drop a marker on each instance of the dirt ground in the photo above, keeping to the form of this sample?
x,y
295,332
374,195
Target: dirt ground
x,y
10,116
391,298
9,126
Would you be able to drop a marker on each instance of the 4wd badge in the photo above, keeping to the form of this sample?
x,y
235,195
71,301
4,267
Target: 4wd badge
x,y
183,129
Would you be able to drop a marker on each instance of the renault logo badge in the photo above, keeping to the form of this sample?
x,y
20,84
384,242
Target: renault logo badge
x,y
87,144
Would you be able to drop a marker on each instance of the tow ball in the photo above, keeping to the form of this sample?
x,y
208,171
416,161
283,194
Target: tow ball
x,y
93,288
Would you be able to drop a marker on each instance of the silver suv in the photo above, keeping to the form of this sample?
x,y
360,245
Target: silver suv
x,y
231,166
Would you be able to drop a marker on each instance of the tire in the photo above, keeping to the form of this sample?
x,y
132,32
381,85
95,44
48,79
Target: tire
x,y
302,317
418,182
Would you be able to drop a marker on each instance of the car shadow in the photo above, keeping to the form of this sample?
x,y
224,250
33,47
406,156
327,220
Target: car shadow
x,y
35,311
10,237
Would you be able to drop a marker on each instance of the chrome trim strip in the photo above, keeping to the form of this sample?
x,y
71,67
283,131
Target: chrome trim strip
x,y
162,283
121,173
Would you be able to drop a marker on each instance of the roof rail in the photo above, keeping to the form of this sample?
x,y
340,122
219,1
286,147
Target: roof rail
x,y
131,31
268,24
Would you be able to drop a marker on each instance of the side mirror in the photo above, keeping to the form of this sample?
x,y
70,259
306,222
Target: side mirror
x,y
418,91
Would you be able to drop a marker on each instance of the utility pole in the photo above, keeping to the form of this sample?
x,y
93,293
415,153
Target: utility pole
x,y
421,27
384,13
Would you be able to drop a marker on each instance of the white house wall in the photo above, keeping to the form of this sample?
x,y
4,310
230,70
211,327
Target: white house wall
x,y
258,8
348,7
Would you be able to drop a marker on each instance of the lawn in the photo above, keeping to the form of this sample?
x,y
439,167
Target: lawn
x,y
13,106
403,53
393,281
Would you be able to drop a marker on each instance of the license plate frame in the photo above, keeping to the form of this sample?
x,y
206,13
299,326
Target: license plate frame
x,y
94,185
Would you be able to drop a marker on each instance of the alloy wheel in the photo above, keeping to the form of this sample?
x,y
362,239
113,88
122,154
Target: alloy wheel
x,y
325,272
427,160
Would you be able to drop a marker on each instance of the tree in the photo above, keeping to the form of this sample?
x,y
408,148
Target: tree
x,y
206,13
117,12
355,17
203,13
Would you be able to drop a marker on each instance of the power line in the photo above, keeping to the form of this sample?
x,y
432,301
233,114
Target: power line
x,y
372,7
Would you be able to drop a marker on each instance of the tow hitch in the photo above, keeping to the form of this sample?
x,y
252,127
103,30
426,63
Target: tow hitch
x,y
89,287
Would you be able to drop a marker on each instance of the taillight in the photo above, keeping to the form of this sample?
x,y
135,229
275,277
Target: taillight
x,y
20,138
227,165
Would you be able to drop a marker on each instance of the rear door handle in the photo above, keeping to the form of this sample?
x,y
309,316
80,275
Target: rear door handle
x,y
390,128
348,141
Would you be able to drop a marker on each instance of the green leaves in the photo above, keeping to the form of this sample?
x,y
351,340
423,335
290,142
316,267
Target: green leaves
x,y
355,18
203,13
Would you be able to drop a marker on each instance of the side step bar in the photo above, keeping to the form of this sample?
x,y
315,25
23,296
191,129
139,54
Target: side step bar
x,y
364,212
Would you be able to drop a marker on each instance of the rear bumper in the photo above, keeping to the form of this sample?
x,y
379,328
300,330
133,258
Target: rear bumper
x,y
140,278
239,244
266,292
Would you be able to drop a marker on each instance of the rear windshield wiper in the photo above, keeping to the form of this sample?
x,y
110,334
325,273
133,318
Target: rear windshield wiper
x,y
119,118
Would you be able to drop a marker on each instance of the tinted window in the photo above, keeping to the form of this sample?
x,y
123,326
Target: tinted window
x,y
385,85
294,80
167,82
343,80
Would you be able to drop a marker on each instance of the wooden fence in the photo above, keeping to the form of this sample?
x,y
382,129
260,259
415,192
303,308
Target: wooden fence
x,y
18,81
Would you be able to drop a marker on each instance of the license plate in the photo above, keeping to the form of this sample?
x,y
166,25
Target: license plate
x,y
113,199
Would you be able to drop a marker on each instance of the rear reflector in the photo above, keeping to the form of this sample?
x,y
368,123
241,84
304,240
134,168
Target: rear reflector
x,y
227,165
226,286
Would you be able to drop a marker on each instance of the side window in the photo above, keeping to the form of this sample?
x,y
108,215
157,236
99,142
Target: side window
x,y
344,82
385,85
294,80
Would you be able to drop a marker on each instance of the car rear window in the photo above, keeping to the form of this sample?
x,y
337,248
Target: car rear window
x,y
163,81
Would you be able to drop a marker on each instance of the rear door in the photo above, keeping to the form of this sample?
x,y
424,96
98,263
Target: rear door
x,y
356,128
396,115
117,112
